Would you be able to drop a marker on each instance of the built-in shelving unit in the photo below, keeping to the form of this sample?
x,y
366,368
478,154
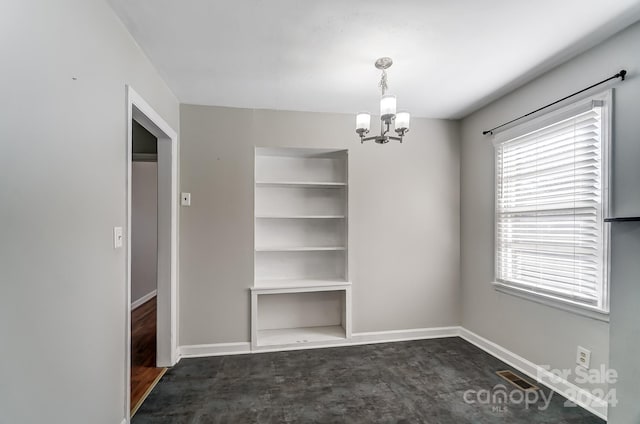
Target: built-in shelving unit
x,y
301,295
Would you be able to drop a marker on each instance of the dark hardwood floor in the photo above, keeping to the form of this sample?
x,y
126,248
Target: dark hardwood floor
x,y
144,373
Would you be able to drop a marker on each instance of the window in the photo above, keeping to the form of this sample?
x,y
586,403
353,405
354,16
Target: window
x,y
551,194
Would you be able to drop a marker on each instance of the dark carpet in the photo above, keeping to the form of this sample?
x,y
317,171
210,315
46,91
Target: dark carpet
x,y
426,381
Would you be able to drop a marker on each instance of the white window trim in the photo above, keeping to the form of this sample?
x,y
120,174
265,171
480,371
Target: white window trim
x,y
606,97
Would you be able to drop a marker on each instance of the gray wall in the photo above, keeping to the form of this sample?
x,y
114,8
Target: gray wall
x,y
404,219
62,190
144,229
542,334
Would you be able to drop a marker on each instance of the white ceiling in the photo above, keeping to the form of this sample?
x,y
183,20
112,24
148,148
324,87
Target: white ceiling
x,y
317,55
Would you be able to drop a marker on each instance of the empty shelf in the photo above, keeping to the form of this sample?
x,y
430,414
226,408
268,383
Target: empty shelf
x,y
299,283
288,336
300,216
298,249
300,184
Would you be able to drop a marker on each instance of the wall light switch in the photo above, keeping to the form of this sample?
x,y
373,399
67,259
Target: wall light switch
x,y
117,237
583,357
185,199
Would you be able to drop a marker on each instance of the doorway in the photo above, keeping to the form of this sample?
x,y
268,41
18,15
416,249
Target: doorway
x,y
159,161
144,264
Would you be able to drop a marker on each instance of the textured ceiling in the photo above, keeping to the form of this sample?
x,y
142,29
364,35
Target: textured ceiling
x,y
450,56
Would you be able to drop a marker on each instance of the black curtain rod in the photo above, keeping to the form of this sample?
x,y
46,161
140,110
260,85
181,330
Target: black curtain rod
x,y
620,74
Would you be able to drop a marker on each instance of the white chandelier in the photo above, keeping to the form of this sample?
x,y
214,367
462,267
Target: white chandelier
x,y
387,112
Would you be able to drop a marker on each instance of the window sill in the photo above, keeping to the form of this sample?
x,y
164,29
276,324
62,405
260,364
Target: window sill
x,y
551,302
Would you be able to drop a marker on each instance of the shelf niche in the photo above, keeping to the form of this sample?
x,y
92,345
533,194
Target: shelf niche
x,y
295,200
301,318
291,233
301,293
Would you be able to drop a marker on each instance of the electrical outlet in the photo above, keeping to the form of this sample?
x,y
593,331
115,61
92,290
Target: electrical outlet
x,y
583,357
185,199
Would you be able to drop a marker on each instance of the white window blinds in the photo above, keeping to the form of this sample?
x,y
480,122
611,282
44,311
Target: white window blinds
x,y
550,237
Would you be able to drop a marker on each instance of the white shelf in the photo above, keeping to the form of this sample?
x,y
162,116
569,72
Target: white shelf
x,y
318,284
302,335
300,216
301,184
298,249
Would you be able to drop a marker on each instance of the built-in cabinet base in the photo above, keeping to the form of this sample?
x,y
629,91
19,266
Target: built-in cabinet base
x,y
300,316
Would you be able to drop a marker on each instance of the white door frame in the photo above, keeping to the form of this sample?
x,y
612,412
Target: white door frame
x,y
140,111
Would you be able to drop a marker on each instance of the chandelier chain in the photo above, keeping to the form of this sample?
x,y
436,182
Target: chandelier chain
x,y
384,82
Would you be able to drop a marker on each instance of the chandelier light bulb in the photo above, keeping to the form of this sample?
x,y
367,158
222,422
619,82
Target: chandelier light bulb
x,y
387,106
403,120
363,121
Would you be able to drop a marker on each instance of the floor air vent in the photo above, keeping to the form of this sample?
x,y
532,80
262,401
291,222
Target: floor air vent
x,y
517,381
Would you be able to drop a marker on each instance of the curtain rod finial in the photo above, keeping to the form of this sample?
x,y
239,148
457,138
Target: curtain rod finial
x,y
623,73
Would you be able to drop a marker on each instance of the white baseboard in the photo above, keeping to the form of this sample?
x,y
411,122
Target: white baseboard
x,y
577,395
144,299
124,421
215,349
403,335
